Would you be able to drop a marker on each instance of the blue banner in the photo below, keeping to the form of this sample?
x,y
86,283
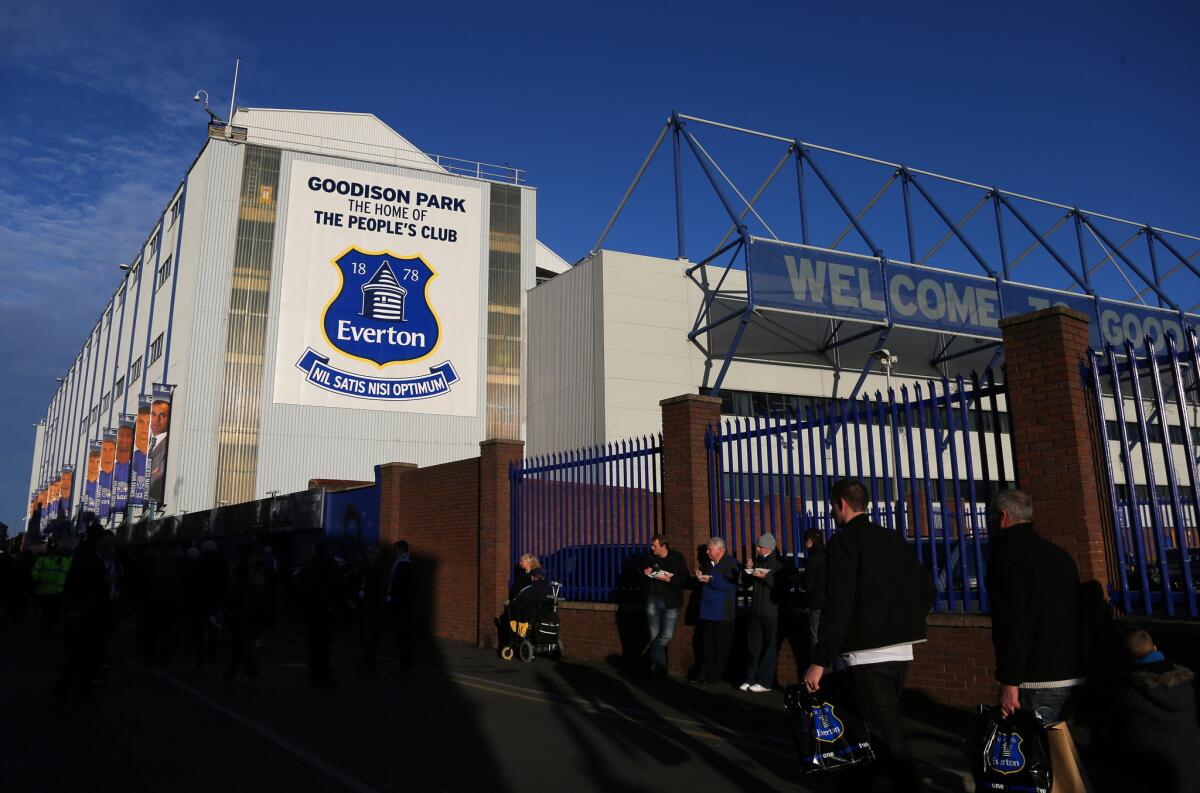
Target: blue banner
x,y
93,476
124,464
848,286
139,476
108,458
322,375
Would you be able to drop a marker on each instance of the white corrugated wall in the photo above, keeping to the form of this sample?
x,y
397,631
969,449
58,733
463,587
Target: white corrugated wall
x,y
197,362
564,375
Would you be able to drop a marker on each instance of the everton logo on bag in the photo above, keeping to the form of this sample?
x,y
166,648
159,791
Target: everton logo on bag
x,y
380,314
1006,757
826,726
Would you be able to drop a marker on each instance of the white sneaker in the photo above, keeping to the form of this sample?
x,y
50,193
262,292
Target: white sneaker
x,y
744,687
757,688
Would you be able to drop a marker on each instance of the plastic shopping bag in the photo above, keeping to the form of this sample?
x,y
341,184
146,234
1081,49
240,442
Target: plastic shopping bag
x,y
1012,754
828,737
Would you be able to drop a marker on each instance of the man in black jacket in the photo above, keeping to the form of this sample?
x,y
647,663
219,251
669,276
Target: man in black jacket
x,y
1149,733
1037,627
86,595
666,573
876,598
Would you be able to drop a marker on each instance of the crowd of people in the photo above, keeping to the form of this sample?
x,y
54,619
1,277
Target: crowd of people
x,y
205,606
867,597
1057,653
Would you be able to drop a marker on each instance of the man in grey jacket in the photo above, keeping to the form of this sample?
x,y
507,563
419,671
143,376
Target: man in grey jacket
x,y
767,578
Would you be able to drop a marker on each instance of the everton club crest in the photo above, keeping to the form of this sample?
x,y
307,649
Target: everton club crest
x,y
1005,755
827,727
381,314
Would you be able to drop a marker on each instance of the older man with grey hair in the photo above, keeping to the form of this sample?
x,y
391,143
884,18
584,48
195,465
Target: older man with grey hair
x,y
718,578
1037,627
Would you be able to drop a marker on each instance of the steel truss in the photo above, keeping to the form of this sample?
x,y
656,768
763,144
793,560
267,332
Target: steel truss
x,y
736,242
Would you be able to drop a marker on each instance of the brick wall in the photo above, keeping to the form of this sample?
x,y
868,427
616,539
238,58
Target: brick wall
x,y
437,510
955,665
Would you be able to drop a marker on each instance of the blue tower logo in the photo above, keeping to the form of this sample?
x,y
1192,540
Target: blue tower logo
x,y
381,312
382,295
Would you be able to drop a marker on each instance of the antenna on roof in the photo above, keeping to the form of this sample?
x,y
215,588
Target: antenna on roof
x,y
232,97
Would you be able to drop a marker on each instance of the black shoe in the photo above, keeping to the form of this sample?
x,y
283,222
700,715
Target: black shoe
x,y
699,680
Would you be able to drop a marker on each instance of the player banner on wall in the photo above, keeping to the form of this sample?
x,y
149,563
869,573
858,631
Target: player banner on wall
x,y
123,466
65,490
93,476
104,485
139,477
380,295
156,454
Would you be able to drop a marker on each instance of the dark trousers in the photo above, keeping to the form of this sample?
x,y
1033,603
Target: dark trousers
x,y
762,640
82,648
205,637
51,607
241,653
320,644
875,689
716,639
402,625
370,626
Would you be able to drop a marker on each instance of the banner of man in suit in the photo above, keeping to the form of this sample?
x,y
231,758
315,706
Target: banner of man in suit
x,y
108,458
93,477
123,466
65,491
139,477
160,425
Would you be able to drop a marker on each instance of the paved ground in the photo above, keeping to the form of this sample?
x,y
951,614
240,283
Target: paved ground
x,y
463,721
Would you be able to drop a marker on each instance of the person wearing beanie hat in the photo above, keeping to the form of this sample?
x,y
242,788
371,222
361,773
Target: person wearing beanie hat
x,y
767,574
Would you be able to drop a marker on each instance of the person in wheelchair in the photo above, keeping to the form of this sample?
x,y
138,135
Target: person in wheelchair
x,y
523,607
532,601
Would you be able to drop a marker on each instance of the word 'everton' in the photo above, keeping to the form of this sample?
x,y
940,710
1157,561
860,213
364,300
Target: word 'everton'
x,y
396,338
381,193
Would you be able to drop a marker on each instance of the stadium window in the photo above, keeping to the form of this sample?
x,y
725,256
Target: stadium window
x,y
164,272
174,212
103,403
154,242
135,371
108,315
156,350
121,297
119,388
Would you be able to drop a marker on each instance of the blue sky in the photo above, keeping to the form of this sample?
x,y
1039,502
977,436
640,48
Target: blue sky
x,y
1089,104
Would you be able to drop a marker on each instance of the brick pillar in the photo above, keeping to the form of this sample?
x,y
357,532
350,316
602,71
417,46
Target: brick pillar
x,y
390,477
495,456
1053,432
685,468
685,473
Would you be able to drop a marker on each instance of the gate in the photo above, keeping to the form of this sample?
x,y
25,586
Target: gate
x,y
1147,423
588,515
931,460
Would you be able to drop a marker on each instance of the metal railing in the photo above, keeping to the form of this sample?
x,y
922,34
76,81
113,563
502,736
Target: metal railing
x,y
394,155
1145,418
931,459
588,515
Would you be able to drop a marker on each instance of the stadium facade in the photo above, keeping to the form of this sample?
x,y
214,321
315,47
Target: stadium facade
x,y
317,296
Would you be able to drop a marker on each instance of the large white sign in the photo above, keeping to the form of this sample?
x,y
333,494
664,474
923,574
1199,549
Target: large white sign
x,y
379,300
